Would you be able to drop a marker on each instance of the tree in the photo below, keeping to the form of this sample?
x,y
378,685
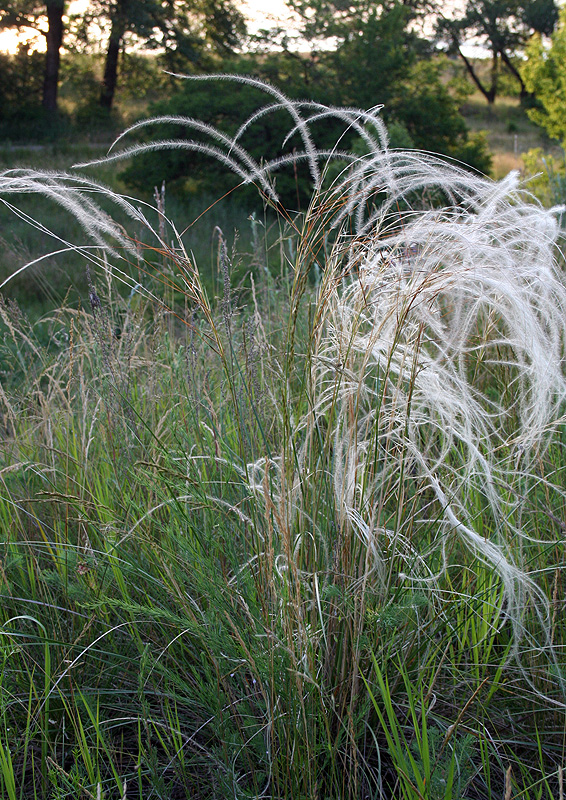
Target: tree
x,y
429,113
544,74
364,48
501,26
54,38
339,20
380,58
45,18
186,29
375,56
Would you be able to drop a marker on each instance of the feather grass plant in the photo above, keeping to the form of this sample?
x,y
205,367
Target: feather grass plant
x,y
311,553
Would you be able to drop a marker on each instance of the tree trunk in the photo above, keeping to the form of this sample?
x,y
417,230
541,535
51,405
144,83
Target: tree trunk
x,y
110,78
514,71
54,37
494,73
490,93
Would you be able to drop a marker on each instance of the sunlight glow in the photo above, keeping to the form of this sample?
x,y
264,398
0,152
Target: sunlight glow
x,y
277,13
10,41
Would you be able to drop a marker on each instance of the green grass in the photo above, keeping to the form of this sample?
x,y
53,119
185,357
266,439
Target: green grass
x,y
156,627
296,532
45,285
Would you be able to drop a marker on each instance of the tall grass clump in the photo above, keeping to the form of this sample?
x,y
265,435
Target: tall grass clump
x,y
304,539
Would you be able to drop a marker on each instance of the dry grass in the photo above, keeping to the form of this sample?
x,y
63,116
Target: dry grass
x,y
509,132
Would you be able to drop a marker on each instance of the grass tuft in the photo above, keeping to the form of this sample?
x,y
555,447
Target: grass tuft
x,y
303,539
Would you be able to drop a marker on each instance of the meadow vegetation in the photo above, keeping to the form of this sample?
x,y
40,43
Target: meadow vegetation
x,y
295,528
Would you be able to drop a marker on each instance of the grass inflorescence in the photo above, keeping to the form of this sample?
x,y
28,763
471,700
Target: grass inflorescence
x,y
305,539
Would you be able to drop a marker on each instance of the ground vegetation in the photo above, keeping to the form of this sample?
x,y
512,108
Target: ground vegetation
x,y
298,534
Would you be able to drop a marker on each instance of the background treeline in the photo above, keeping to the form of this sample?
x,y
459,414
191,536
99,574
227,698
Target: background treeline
x,y
110,61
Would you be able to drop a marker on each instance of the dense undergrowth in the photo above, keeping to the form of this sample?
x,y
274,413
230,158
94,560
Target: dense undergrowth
x,y
304,540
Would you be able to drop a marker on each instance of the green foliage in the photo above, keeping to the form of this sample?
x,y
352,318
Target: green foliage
x,y
21,86
21,77
547,176
430,114
378,60
190,33
399,137
428,763
141,80
80,77
372,62
342,22
141,77
539,16
544,73
419,106
44,17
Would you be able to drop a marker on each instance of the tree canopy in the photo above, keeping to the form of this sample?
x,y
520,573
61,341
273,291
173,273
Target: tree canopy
x,y
503,27
361,53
